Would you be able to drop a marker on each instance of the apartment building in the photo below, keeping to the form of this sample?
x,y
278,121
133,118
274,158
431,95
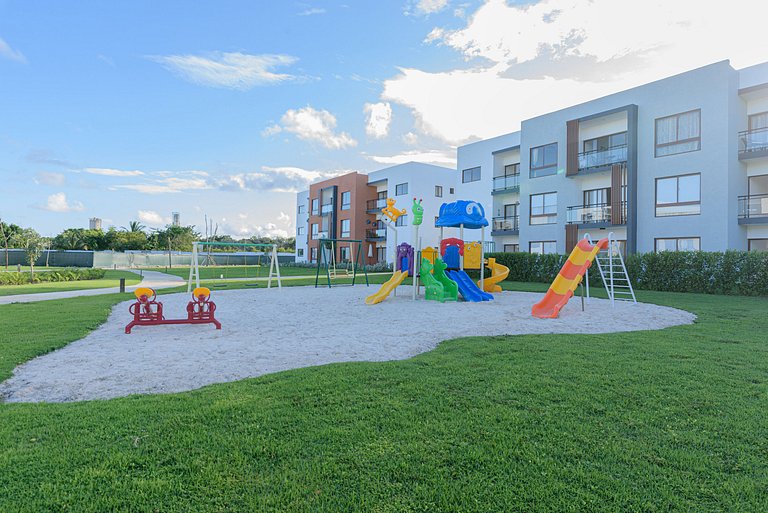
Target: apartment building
x,y
677,164
349,207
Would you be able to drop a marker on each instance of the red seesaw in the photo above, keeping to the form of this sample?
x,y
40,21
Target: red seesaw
x,y
147,311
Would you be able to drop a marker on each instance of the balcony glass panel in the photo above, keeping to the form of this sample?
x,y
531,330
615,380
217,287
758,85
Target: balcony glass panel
x,y
501,183
600,158
380,233
597,213
326,208
376,204
753,140
508,223
753,206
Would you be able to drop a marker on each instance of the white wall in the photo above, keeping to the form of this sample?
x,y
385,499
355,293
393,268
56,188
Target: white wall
x,y
302,219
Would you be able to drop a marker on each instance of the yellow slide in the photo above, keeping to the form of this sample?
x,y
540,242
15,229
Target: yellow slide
x,y
498,273
386,289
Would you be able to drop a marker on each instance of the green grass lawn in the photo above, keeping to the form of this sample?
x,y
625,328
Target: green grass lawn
x,y
671,420
111,279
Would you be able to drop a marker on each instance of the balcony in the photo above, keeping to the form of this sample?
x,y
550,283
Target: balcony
x,y
753,143
599,213
753,209
374,206
598,159
508,225
376,235
506,184
326,208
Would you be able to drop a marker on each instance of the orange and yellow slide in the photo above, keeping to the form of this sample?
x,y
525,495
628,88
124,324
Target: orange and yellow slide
x,y
568,279
498,273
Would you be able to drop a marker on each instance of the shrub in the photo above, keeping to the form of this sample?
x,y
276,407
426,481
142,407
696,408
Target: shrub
x,y
74,274
732,272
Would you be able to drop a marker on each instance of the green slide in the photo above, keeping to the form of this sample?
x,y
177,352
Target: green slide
x,y
437,286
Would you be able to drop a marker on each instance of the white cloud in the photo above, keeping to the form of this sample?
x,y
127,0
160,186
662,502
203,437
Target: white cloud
x,y
378,117
422,7
278,179
529,59
111,172
9,53
46,178
244,227
232,70
152,218
58,203
436,157
167,185
410,138
312,11
313,125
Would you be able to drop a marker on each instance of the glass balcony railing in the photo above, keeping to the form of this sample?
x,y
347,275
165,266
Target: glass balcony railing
x,y
600,158
506,224
322,235
597,213
506,182
753,140
375,205
378,234
326,208
753,206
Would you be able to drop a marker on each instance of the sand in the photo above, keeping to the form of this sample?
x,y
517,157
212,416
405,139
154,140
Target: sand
x,y
267,331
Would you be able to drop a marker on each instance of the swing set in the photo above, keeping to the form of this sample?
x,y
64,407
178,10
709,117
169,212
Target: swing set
x,y
268,249
343,267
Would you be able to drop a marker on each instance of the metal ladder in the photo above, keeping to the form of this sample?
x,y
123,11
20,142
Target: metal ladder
x,y
610,263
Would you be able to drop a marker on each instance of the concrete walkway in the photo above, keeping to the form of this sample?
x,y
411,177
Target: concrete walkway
x,y
153,279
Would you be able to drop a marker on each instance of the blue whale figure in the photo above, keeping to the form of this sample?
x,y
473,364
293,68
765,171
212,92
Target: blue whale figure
x,y
469,213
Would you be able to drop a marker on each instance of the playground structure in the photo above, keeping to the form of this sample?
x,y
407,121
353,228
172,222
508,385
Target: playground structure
x,y
612,271
328,260
147,311
194,269
393,214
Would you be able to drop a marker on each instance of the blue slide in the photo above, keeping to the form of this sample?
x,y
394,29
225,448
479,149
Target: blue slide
x,y
469,291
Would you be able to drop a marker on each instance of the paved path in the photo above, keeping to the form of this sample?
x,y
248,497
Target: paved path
x,y
153,279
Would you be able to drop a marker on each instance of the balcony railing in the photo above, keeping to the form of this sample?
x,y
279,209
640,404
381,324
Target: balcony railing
x,y
601,158
506,182
327,208
754,206
378,234
596,213
751,141
506,224
375,205
322,235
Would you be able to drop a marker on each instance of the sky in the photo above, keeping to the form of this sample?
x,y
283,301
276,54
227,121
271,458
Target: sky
x,y
133,110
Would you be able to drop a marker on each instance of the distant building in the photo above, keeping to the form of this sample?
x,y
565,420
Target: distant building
x,y
176,219
94,223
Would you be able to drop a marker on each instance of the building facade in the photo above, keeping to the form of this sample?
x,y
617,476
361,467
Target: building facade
x,y
94,223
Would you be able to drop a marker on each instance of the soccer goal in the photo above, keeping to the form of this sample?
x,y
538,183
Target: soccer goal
x,y
268,249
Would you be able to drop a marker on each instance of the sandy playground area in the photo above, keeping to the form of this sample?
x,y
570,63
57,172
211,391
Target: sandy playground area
x,y
273,330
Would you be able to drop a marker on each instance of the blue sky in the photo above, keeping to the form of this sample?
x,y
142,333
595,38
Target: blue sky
x,y
132,110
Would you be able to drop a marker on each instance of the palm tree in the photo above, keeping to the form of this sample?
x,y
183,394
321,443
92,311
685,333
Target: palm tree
x,y
135,226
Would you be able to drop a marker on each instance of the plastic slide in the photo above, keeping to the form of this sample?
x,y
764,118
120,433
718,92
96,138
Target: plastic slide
x,y
498,273
568,279
437,286
386,289
469,291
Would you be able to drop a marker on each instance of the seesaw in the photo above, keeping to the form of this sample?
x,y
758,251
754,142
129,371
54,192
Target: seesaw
x,y
147,311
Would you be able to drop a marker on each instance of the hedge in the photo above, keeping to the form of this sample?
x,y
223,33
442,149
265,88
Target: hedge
x,y
23,278
732,272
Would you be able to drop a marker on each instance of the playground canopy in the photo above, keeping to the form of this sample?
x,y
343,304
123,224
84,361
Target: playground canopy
x,y
464,214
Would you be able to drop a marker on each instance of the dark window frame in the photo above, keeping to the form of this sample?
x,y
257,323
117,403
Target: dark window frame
x,y
531,167
341,228
531,215
402,220
751,116
677,204
451,190
677,242
656,145
472,174
399,187
346,206
542,242
299,230
749,242
517,250
585,141
438,191
506,166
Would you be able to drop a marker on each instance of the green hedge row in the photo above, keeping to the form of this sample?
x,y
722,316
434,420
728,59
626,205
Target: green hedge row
x,y
733,272
24,277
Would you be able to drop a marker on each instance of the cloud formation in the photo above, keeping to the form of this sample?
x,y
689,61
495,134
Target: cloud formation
x,y
425,7
436,157
111,172
378,117
152,218
233,70
169,185
313,125
58,203
53,179
278,179
312,11
9,53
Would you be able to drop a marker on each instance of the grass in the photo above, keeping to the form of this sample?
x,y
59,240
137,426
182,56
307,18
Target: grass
x,y
672,420
111,279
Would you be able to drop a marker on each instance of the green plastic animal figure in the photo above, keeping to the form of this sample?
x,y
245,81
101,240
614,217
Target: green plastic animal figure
x,y
418,212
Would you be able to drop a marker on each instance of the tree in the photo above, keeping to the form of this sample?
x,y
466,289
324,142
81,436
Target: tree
x,y
71,238
33,245
135,226
7,231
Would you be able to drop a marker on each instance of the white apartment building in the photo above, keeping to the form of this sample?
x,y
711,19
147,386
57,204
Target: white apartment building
x,y
302,223
677,164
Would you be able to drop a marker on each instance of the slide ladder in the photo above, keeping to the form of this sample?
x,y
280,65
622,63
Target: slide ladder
x,y
610,263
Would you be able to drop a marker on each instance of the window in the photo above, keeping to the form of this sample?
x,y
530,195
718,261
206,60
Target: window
x,y
510,210
758,244
301,209
542,247
315,210
401,188
605,142
313,255
402,220
438,191
544,160
511,248
544,208
346,200
470,175
300,252
678,244
678,134
512,169
345,255
757,121
450,190
300,230
436,218
314,231
381,254
678,195
345,228
597,197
